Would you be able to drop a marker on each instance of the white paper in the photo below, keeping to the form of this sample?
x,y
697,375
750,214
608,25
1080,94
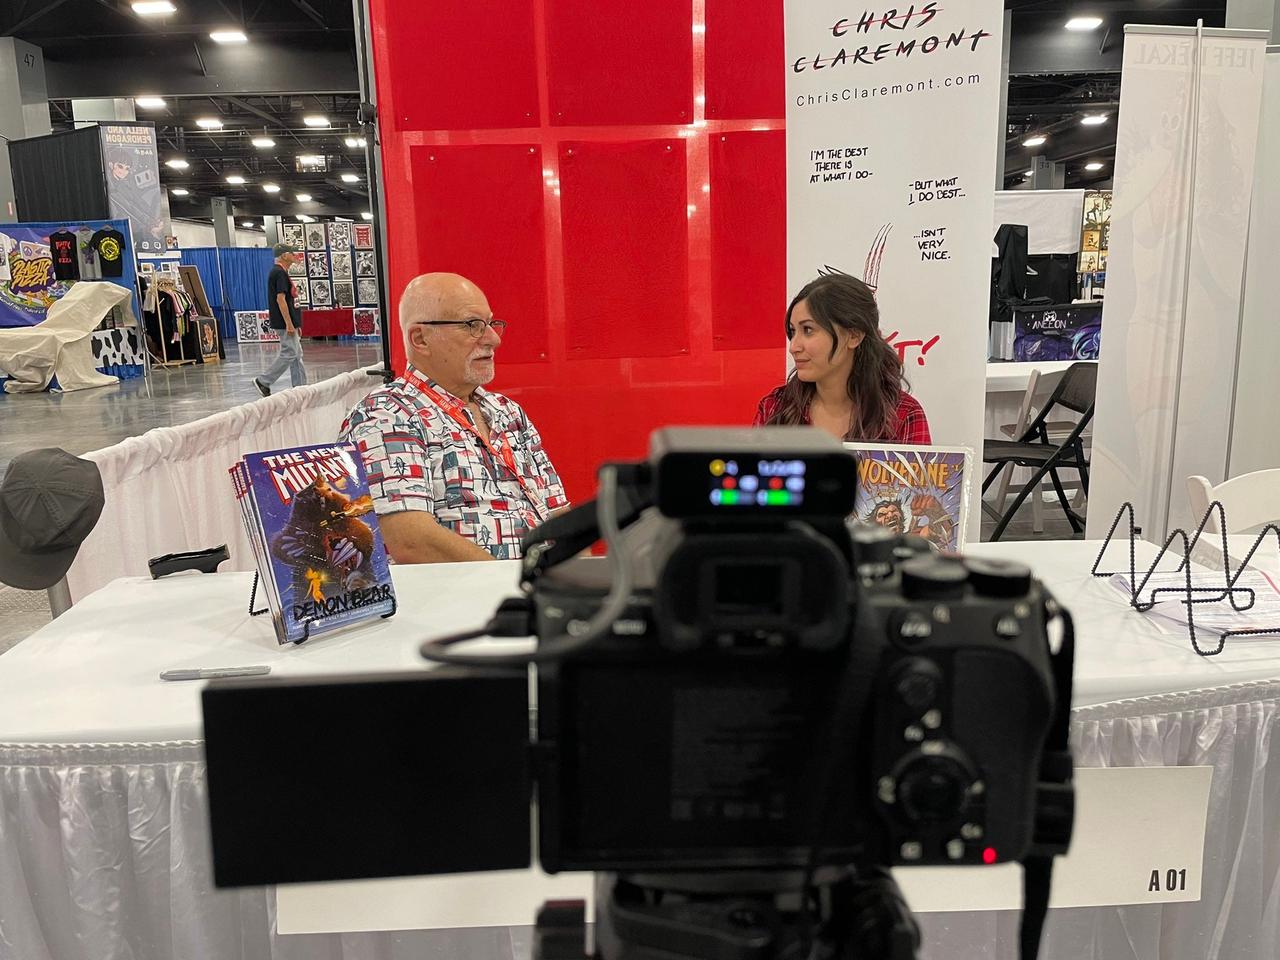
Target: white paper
x,y
1132,824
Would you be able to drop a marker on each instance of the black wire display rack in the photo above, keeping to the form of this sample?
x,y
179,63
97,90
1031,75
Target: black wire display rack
x,y
1191,593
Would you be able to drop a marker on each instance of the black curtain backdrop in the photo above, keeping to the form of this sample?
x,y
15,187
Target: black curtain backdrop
x,y
60,177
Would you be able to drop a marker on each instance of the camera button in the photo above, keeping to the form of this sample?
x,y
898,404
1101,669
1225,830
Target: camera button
x,y
1008,627
971,831
932,719
911,850
913,734
913,627
955,849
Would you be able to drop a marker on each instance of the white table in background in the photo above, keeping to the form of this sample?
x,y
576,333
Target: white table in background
x,y
103,843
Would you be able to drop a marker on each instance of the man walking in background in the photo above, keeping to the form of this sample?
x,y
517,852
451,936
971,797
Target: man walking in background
x,y
285,317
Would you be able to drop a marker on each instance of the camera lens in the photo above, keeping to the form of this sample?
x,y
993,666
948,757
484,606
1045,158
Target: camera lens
x,y
933,789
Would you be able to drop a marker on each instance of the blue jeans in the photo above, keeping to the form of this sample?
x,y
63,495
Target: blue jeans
x,y
289,358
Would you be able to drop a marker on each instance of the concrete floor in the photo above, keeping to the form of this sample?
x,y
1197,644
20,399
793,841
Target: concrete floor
x,y
91,419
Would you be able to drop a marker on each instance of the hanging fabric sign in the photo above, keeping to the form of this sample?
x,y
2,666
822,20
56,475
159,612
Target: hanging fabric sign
x,y
891,158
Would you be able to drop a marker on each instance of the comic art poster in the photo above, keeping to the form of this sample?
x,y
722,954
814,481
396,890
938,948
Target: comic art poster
x,y
916,490
315,537
133,182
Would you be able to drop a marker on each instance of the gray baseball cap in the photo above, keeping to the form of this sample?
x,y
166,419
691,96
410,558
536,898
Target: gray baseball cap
x,y
49,502
282,248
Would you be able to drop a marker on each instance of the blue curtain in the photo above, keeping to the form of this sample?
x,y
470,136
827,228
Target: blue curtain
x,y
235,278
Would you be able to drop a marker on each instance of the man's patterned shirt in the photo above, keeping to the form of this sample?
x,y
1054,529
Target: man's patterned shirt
x,y
418,457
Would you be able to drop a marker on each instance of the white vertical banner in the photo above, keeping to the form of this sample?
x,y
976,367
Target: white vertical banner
x,y
890,162
1185,149
1254,442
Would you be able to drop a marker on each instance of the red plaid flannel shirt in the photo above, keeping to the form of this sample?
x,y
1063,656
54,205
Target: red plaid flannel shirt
x,y
911,425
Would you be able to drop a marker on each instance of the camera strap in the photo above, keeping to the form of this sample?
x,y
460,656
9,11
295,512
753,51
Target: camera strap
x,y
1055,800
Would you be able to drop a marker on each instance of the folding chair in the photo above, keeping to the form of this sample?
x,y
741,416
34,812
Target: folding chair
x,y
1035,448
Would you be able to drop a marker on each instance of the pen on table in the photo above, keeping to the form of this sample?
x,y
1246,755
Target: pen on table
x,y
214,673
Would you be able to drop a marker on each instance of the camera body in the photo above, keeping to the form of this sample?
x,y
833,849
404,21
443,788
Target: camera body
x,y
783,686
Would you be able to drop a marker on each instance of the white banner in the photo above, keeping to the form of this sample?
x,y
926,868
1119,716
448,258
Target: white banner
x,y
890,166
1179,217
1253,426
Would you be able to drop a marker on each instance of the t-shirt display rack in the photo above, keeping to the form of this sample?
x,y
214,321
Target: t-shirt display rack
x,y
166,287
41,260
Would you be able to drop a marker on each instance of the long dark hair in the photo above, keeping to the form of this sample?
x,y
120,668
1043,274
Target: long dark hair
x,y
875,383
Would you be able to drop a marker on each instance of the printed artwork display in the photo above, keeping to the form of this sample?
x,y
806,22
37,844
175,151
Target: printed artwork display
x,y
293,234
317,265
298,268
362,236
254,326
367,291
321,296
339,234
315,236
916,490
343,294
301,295
366,263
365,322
340,262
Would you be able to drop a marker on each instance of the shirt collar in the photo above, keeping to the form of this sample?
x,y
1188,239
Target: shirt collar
x,y
482,395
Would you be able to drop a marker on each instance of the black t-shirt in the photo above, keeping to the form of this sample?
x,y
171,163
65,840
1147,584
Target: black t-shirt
x,y
109,242
66,256
279,281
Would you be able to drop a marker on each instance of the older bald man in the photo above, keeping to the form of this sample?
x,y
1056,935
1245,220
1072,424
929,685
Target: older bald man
x,y
456,472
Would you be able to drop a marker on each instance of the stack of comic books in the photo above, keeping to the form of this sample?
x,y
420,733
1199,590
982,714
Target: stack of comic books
x,y
320,555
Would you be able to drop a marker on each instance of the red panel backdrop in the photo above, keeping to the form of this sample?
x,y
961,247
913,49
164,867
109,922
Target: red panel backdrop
x,y
568,159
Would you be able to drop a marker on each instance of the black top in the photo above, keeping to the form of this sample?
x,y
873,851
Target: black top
x,y
109,242
66,256
279,281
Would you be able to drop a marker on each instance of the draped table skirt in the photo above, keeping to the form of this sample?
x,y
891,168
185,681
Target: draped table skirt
x,y
104,855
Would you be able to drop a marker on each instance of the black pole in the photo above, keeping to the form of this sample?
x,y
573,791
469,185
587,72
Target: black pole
x,y
368,119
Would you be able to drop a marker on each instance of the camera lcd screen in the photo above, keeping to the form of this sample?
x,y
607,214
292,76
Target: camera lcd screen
x,y
699,768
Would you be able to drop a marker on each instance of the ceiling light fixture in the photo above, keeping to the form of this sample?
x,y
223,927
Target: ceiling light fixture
x,y
351,142
1036,141
315,120
235,179
263,142
271,187
310,160
179,191
1093,167
228,36
154,8
361,142
209,123
350,178
1029,173
1094,119
306,219
248,224
150,103
177,163
366,215
1083,24
304,198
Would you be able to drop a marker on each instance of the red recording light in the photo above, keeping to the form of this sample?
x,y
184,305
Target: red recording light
x,y
989,855
730,483
776,483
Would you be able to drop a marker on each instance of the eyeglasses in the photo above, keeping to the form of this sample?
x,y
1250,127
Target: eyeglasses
x,y
475,326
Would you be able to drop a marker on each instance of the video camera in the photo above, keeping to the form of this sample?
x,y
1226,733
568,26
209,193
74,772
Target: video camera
x,y
742,716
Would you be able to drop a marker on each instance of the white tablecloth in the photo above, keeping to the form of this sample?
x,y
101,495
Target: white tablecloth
x,y
103,846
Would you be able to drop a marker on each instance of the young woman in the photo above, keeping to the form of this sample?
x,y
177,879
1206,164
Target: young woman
x,y
847,379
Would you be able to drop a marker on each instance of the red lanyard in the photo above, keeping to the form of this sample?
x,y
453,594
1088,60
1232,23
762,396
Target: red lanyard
x,y
457,410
